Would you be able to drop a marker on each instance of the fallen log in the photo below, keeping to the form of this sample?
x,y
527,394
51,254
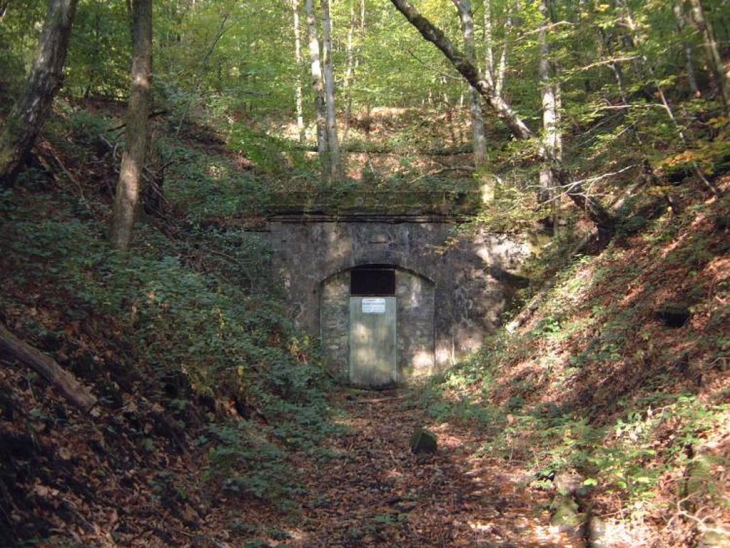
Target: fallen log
x,y
69,386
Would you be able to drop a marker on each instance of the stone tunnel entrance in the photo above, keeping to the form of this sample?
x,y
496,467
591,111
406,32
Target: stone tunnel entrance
x,y
377,322
395,296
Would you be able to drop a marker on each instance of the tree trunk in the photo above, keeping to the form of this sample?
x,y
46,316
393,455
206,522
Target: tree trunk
x,y
479,138
488,39
48,368
318,85
495,74
595,211
298,93
127,195
29,113
357,23
551,139
500,71
329,93
709,42
680,16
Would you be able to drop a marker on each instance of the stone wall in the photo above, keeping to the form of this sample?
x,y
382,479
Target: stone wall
x,y
447,298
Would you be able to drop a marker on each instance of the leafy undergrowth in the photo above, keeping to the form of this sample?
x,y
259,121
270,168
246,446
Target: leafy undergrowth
x,y
216,426
204,387
622,377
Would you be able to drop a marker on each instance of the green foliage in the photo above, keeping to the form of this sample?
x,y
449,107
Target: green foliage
x,y
629,457
229,52
507,208
19,34
272,155
202,308
533,392
99,58
189,319
244,463
711,157
210,187
86,127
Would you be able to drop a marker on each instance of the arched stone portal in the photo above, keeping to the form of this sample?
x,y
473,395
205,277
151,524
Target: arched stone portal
x,y
446,299
349,302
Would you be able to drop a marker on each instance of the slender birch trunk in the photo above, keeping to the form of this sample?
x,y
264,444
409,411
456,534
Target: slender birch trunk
x,y
495,73
551,137
357,23
550,129
318,86
329,94
488,38
479,138
500,70
126,198
299,60
712,51
691,67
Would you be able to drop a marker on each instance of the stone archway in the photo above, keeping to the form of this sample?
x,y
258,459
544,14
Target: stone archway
x,y
447,298
343,305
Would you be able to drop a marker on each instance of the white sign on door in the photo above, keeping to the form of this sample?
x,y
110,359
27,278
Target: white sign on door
x,y
373,305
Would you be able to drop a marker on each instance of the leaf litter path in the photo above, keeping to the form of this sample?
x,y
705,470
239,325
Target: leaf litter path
x,y
375,492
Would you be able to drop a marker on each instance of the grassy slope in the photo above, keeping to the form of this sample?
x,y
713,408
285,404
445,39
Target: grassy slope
x,y
604,381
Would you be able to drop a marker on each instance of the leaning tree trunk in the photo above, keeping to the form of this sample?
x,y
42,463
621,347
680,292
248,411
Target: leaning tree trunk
x,y
600,216
127,195
48,368
27,117
466,68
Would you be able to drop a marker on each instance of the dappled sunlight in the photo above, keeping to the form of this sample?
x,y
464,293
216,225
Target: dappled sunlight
x,y
377,493
218,171
599,379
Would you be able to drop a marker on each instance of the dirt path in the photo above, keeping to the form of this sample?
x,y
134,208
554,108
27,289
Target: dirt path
x,y
374,492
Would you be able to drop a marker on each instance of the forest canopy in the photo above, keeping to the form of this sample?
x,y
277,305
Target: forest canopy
x,y
647,75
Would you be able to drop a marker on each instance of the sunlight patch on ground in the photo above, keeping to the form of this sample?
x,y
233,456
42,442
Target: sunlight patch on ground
x,y
394,474
626,535
299,537
446,439
536,535
350,422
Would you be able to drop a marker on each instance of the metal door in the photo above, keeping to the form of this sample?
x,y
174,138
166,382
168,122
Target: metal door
x,y
373,346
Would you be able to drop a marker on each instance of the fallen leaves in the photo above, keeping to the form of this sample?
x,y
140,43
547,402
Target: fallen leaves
x,y
382,495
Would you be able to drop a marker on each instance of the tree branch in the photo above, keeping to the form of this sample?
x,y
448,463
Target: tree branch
x,y
48,368
467,69
595,211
